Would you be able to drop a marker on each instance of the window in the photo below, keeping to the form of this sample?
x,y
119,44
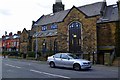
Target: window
x,y
74,25
75,36
64,56
57,55
44,28
73,56
54,26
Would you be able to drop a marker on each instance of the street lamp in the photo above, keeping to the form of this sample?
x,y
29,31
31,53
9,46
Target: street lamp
x,y
36,47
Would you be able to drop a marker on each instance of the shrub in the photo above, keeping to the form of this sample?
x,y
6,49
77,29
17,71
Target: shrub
x,y
10,53
31,54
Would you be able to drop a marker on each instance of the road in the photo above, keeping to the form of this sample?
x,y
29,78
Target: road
x,y
14,68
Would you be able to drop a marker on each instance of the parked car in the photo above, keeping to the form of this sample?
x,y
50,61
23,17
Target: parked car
x,y
68,60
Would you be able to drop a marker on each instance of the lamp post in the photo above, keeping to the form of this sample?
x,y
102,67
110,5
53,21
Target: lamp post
x,y
36,47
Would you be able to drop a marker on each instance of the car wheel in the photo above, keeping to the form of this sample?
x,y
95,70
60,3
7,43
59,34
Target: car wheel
x,y
76,67
52,64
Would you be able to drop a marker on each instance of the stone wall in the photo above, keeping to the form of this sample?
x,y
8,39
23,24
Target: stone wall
x,y
89,38
48,39
49,43
24,41
106,34
89,35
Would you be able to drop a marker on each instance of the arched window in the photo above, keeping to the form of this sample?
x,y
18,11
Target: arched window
x,y
75,37
55,46
76,25
44,46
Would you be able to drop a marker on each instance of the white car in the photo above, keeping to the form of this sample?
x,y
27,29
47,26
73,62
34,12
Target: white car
x,y
68,60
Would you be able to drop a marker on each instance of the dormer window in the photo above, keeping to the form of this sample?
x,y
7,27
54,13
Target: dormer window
x,y
44,28
54,26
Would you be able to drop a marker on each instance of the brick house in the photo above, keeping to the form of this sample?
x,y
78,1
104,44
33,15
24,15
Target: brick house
x,y
0,45
11,42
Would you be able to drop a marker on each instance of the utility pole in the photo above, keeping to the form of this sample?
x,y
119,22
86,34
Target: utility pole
x,y
36,56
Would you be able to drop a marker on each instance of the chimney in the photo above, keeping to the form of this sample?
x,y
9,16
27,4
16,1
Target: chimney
x,y
3,36
19,32
33,22
58,1
10,34
58,6
104,4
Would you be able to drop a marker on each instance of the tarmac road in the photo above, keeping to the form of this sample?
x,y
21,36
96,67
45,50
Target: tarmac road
x,y
14,68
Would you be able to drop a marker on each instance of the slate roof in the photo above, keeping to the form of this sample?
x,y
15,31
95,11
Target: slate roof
x,y
46,33
90,10
52,18
111,14
16,36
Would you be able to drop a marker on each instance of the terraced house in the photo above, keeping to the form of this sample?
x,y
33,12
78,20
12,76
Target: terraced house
x,y
11,42
88,31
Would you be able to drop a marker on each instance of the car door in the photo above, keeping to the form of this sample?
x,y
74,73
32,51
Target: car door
x,y
57,59
66,61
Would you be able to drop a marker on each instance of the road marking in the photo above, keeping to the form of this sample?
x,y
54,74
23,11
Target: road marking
x,y
49,74
17,67
13,66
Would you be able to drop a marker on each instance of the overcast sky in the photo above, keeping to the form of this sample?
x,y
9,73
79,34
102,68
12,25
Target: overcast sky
x,y
15,15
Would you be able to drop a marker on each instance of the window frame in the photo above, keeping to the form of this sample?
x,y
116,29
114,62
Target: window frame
x,y
62,57
54,26
74,24
56,55
44,28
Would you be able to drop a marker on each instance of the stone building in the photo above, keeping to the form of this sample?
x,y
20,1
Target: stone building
x,y
72,30
25,41
84,30
106,29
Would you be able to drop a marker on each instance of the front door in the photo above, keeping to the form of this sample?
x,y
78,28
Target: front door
x,y
75,37
100,58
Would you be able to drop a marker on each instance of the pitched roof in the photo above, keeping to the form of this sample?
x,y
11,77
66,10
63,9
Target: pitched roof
x,y
111,14
92,9
89,10
52,18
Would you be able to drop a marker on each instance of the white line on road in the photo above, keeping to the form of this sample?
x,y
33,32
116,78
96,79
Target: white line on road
x,y
49,74
13,66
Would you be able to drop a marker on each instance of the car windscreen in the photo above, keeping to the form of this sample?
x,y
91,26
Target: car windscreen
x,y
73,56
